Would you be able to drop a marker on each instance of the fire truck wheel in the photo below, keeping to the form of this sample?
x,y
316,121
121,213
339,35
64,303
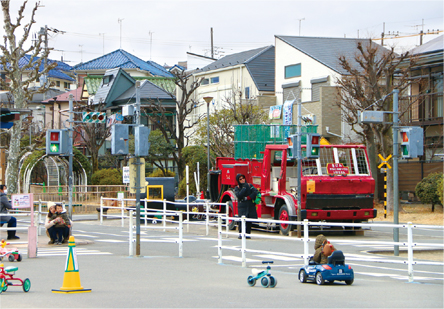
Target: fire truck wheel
x,y
231,223
284,216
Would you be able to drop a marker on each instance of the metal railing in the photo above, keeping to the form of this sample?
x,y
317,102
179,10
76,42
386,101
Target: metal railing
x,y
305,255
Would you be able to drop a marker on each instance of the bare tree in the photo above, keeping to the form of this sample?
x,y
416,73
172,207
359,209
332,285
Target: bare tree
x,y
372,75
93,135
174,131
13,51
237,111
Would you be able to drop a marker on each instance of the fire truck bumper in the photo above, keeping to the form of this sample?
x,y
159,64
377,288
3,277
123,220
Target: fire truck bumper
x,y
338,215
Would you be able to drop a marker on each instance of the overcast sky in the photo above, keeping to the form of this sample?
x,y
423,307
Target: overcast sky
x,y
92,27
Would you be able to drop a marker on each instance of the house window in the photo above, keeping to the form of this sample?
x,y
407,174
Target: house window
x,y
205,81
107,79
58,83
66,85
293,70
247,92
214,80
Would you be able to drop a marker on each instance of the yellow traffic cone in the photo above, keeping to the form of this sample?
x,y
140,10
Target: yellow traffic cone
x,y
71,280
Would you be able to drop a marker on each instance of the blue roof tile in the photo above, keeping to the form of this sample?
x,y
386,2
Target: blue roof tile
x,y
122,59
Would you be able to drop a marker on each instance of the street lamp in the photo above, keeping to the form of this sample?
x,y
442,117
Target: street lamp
x,y
208,100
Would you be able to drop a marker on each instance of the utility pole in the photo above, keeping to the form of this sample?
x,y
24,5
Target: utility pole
x,y
212,48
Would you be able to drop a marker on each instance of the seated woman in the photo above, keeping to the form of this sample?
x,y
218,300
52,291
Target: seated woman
x,y
50,224
53,226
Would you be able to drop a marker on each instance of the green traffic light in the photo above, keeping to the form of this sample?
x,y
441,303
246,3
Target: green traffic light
x,y
54,148
315,151
405,150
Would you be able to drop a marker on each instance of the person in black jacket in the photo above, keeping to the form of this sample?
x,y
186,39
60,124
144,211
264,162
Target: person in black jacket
x,y
246,194
5,205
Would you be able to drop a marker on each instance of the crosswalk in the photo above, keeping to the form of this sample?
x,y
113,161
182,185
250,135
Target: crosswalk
x,y
62,251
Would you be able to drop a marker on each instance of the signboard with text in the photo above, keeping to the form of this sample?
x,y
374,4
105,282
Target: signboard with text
x,y
337,169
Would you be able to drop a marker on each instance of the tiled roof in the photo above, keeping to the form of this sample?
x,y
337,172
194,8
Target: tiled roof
x,y
432,46
148,90
259,62
57,72
122,59
234,59
77,93
327,50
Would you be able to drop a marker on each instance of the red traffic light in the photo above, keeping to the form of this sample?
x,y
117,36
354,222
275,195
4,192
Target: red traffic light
x,y
315,140
405,137
101,117
54,136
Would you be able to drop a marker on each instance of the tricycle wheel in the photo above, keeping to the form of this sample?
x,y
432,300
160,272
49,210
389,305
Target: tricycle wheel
x,y
265,282
319,279
11,258
26,285
273,282
3,285
19,258
284,216
349,282
251,281
302,276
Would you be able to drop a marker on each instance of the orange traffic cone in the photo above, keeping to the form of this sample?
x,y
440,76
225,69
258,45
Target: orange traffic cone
x,y
71,280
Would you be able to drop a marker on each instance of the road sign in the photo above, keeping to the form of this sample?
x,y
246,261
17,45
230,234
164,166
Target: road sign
x,y
384,161
126,174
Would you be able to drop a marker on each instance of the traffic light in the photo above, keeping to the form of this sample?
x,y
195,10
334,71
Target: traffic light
x,y
6,118
412,144
57,142
292,146
313,145
94,117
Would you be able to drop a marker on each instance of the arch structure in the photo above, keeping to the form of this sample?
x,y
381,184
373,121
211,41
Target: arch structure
x,y
57,172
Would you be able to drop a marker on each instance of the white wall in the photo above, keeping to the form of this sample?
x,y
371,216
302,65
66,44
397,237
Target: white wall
x,y
310,69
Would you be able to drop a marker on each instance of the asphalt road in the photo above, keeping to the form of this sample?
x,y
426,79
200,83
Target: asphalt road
x,y
161,279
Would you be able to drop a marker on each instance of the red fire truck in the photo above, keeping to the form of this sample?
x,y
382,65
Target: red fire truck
x,y
338,186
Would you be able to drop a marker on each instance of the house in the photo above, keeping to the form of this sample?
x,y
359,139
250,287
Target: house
x,y
425,109
307,69
118,89
60,77
91,72
250,73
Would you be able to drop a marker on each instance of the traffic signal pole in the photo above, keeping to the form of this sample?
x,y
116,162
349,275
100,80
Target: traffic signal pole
x,y
70,154
137,182
395,171
299,168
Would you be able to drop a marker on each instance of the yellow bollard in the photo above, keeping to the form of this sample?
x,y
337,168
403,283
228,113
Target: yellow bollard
x,y
71,280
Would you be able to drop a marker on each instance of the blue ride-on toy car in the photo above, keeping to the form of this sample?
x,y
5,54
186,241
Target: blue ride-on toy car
x,y
334,270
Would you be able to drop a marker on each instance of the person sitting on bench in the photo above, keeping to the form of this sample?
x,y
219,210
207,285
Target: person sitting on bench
x,y
5,205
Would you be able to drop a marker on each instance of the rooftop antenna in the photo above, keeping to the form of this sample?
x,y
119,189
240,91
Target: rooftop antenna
x,y
119,20
151,41
300,21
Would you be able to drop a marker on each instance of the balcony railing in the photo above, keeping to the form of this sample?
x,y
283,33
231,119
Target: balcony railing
x,y
423,109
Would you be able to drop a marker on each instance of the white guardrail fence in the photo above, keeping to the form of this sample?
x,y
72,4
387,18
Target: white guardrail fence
x,y
215,219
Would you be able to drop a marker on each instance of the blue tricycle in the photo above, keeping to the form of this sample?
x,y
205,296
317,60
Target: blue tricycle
x,y
267,280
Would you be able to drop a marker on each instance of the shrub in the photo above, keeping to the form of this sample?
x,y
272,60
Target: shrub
x,y
426,190
440,189
109,176
159,173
